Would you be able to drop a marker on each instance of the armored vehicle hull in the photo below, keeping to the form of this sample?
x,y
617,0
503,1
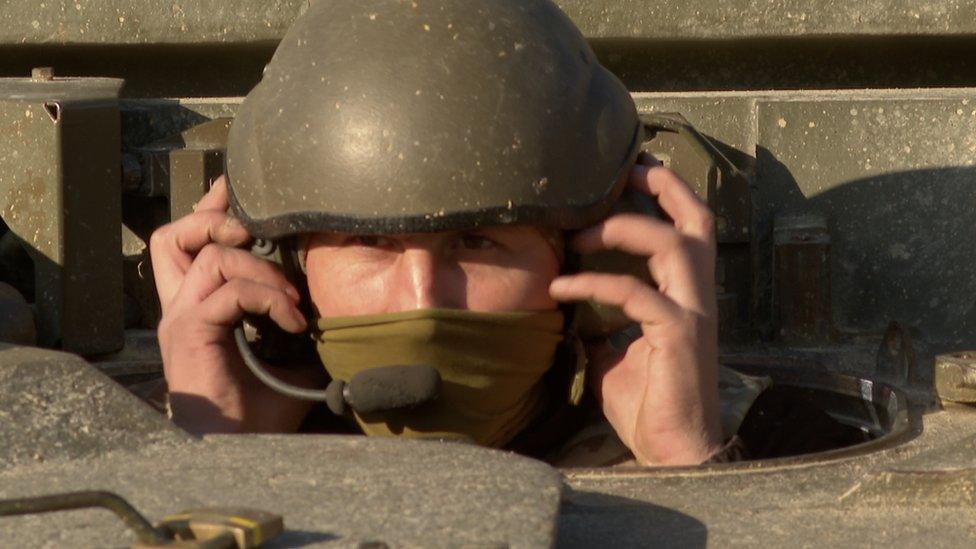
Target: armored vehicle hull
x,y
835,142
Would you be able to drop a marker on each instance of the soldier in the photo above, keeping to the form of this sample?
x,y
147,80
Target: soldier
x,y
433,169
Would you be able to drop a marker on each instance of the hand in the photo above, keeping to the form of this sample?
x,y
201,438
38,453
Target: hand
x,y
206,284
661,394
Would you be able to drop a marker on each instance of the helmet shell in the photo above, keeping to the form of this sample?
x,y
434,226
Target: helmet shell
x,y
387,116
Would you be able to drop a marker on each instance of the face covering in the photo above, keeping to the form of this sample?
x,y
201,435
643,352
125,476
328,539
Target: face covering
x,y
491,367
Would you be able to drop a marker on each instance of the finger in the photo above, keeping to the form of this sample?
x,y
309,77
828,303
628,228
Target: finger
x,y
227,305
193,232
637,300
216,197
690,214
217,265
632,233
173,246
683,267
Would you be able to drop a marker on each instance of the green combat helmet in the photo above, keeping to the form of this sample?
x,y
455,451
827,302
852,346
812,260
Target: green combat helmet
x,y
389,116
386,116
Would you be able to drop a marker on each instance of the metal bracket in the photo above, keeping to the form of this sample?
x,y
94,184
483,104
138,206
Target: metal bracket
x,y
60,163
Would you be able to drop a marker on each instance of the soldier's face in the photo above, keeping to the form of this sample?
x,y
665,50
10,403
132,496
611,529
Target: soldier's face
x,y
489,269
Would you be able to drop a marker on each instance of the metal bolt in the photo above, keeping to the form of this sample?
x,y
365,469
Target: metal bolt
x,y
263,247
955,376
42,73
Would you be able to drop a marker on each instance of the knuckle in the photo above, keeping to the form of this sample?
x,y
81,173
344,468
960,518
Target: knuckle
x,y
228,259
204,220
630,285
623,228
706,219
239,286
672,238
222,223
277,301
212,221
210,254
159,238
236,260
624,221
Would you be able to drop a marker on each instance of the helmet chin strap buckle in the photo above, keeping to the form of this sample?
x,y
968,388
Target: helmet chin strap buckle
x,y
375,390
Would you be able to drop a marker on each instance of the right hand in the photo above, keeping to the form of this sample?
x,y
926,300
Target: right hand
x,y
206,283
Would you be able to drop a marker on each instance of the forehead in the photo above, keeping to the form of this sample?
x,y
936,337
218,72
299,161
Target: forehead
x,y
521,231
528,236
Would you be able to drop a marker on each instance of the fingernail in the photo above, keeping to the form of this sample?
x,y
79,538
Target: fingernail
x,y
292,292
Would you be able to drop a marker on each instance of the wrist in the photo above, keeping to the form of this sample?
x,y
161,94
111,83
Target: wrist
x,y
674,454
692,437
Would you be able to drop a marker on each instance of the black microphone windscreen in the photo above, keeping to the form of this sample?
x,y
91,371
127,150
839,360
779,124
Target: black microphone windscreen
x,y
391,387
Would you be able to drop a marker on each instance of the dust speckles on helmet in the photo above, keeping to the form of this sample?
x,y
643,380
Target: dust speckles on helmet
x,y
382,116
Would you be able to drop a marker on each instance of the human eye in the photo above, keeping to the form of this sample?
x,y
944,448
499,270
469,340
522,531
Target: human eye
x,y
475,241
369,241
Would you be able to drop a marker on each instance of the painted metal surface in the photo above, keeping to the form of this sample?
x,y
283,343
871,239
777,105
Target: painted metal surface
x,y
861,115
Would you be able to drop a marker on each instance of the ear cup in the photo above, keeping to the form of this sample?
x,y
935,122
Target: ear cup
x,y
594,319
276,345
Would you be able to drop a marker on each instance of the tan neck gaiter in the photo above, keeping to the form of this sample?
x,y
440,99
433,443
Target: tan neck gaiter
x,y
491,366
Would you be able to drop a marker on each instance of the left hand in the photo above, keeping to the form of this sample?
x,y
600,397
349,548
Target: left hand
x,y
661,394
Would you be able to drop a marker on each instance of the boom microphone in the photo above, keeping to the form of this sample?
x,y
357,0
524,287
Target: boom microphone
x,y
373,390
385,388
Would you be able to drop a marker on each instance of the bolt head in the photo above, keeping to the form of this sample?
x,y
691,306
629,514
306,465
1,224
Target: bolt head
x,y
42,73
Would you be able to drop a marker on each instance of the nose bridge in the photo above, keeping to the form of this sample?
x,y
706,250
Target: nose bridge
x,y
419,267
